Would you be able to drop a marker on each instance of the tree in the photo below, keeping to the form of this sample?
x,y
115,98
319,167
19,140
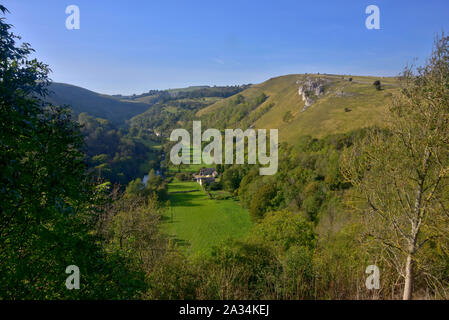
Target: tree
x,y
401,173
377,84
262,200
134,228
48,205
284,229
287,116
231,178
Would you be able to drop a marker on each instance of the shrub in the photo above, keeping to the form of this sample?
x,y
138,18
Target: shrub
x,y
377,84
287,116
183,176
216,185
261,202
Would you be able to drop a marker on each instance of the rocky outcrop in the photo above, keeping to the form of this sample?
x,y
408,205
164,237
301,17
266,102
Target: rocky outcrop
x,y
310,89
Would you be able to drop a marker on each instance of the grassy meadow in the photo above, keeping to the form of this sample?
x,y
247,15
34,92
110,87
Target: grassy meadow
x,y
196,222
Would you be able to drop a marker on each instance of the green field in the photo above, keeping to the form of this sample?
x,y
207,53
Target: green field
x,y
196,223
191,168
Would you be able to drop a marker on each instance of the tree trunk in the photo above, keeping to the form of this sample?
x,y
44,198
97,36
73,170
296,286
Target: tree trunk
x,y
416,225
408,278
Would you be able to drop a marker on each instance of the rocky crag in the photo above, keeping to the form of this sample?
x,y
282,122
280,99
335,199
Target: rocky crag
x,y
310,89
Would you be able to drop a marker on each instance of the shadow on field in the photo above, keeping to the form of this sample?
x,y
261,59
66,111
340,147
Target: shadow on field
x,y
169,219
184,199
179,242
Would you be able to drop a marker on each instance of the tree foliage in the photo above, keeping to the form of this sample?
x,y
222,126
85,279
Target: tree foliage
x,y
47,201
401,174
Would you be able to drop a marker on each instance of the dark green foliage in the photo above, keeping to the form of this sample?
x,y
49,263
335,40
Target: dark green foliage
x,y
216,185
155,188
284,229
176,108
262,200
305,180
232,176
287,116
112,155
47,201
161,118
314,194
172,278
234,114
183,176
378,85
162,96
255,266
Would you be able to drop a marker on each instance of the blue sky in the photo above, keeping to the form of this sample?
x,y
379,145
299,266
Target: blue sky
x,y
134,46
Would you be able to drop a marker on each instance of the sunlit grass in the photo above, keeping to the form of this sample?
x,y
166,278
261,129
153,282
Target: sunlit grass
x,y
197,223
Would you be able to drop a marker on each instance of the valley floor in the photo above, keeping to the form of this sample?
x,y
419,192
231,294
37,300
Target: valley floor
x,y
197,223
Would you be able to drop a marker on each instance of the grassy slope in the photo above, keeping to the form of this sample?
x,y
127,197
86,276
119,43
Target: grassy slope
x,y
95,104
199,222
324,117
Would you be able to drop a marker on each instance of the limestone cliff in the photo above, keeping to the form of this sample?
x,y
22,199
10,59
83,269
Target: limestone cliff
x,y
311,89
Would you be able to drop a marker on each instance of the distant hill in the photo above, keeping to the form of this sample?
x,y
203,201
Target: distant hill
x,y
102,106
329,104
177,107
187,89
192,92
342,106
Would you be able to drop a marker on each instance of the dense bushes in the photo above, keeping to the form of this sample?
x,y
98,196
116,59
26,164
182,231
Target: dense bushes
x,y
49,206
262,200
237,108
110,153
155,187
183,176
